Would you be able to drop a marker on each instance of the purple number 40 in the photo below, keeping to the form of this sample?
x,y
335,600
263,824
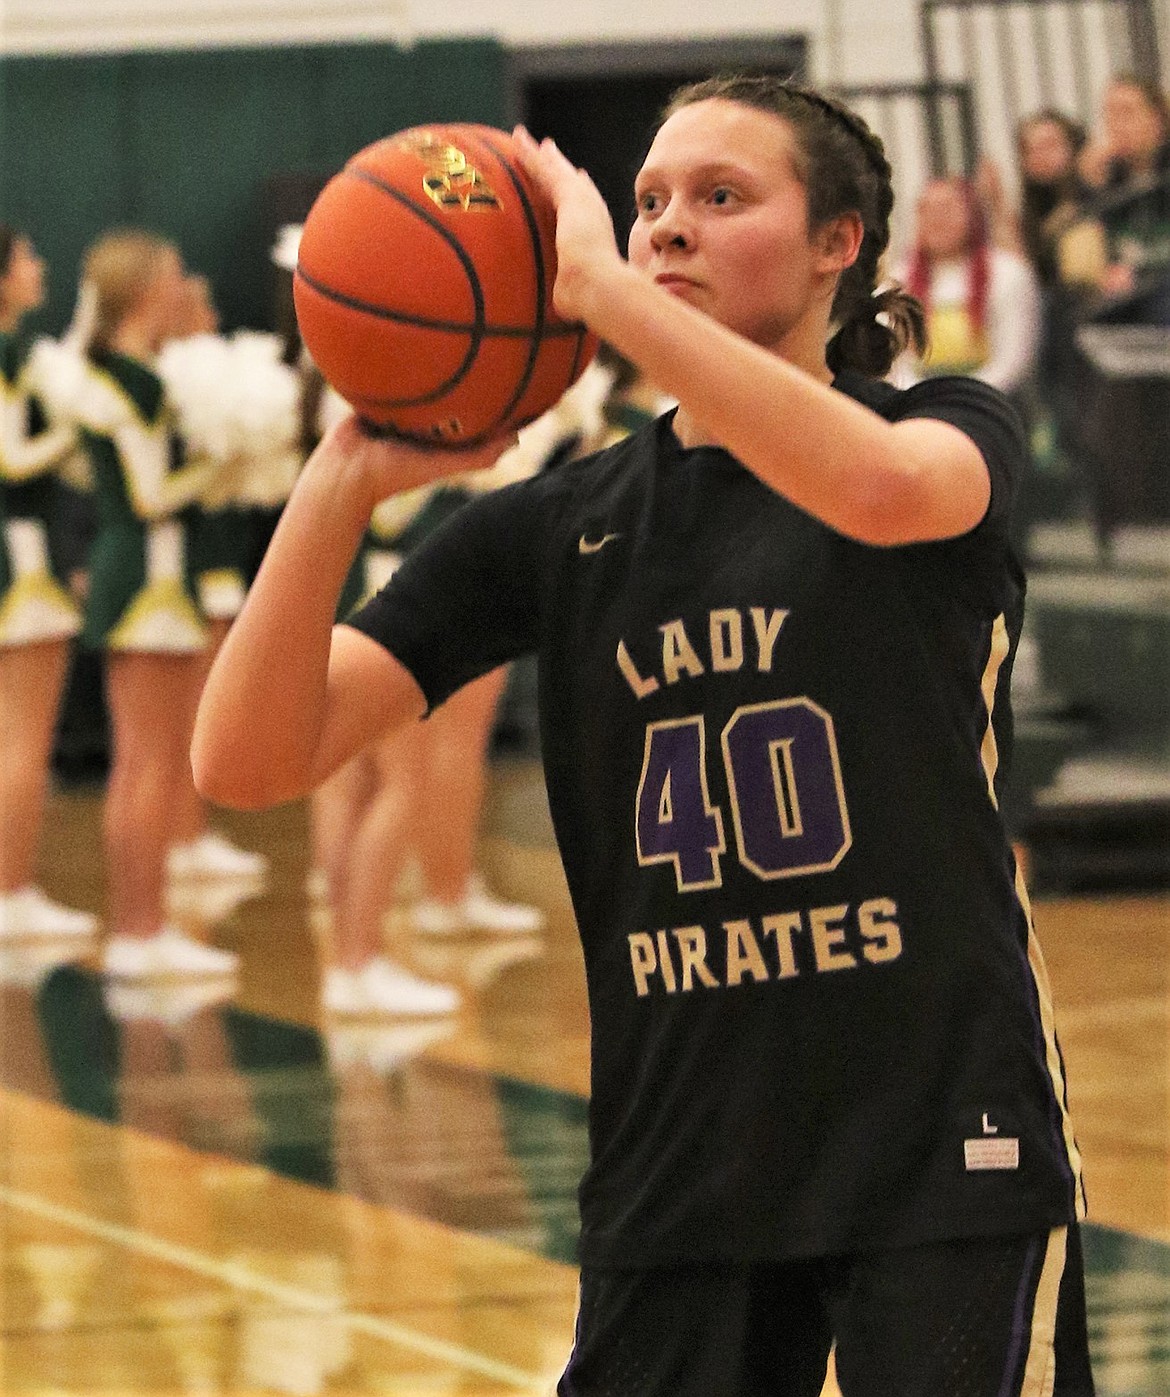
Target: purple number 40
x,y
784,780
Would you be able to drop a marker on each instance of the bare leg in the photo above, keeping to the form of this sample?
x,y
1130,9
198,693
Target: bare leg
x,y
360,979
378,847
149,700
31,679
454,784
337,807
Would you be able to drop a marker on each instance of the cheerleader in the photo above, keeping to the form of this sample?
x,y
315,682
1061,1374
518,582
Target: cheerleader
x,y
38,617
235,402
142,608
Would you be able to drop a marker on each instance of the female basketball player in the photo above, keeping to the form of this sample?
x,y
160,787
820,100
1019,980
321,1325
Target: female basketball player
x,y
775,633
37,614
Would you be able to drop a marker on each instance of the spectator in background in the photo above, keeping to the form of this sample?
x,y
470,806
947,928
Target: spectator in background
x,y
1121,249
1052,198
38,617
1052,192
1116,263
982,302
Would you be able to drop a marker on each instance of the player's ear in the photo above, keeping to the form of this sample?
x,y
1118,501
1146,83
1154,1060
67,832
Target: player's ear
x,y
838,242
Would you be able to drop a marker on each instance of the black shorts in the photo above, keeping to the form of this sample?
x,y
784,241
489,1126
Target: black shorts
x,y
981,1317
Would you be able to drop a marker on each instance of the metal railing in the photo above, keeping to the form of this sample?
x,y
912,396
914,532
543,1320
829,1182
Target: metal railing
x,y
1020,56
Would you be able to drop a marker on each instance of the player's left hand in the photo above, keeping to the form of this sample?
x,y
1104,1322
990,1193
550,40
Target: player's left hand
x,y
586,243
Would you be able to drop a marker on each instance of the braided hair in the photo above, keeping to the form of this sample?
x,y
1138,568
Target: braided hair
x,y
843,167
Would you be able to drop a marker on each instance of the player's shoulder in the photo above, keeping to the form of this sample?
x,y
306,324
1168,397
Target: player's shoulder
x,y
951,397
894,402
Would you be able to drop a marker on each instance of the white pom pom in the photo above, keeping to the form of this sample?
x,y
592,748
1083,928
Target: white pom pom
x,y
236,401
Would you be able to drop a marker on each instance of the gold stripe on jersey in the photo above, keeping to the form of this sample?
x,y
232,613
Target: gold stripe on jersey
x,y
1051,1051
989,750
1040,1369
989,755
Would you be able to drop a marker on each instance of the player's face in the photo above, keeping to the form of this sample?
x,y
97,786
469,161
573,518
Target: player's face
x,y
22,287
722,220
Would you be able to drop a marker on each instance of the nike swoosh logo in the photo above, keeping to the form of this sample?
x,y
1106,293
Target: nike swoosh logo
x,y
586,545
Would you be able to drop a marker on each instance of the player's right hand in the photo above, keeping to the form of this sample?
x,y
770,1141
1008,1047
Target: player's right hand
x,y
376,466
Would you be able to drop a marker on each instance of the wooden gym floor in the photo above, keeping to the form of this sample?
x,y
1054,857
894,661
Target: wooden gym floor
x,y
226,1196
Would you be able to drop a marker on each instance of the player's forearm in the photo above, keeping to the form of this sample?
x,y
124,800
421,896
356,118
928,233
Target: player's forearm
x,y
831,456
263,708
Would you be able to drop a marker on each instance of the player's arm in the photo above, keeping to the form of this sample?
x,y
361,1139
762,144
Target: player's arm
x,y
290,697
878,482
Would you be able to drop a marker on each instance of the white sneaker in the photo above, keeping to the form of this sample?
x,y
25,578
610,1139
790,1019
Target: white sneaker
x,y
213,856
28,912
478,911
380,1046
167,954
382,987
171,1005
28,966
488,913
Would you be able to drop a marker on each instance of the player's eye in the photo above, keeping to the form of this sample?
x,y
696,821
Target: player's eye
x,y
722,196
649,204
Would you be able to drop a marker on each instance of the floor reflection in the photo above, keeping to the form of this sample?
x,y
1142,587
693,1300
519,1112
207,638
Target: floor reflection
x,y
253,1291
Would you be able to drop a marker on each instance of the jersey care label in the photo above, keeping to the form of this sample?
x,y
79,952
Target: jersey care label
x,y
991,1150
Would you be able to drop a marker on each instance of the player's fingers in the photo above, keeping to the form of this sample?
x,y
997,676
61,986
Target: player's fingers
x,y
543,161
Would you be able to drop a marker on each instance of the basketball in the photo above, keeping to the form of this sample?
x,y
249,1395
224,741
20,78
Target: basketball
x,y
423,288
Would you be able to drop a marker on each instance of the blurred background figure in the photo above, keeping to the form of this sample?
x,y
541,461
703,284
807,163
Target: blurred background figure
x,y
403,815
982,301
1051,198
235,403
38,616
1051,190
1115,263
1121,249
142,609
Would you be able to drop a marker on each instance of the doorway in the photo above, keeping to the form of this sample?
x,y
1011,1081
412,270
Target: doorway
x,y
600,102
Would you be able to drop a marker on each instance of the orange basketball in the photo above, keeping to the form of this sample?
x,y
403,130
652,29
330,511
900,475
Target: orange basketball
x,y
424,284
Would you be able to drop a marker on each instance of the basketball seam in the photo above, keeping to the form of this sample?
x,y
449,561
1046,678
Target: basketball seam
x,y
474,332
422,322
536,336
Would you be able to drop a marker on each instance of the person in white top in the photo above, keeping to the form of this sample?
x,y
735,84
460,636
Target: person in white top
x,y
982,302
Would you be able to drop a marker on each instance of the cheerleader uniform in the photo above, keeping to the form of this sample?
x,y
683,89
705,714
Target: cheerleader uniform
x,y
142,594
34,603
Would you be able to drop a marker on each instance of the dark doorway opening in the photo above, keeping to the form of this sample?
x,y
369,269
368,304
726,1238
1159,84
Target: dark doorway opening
x,y
600,102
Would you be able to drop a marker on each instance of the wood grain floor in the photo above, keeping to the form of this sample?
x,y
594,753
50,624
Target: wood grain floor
x,y
234,1197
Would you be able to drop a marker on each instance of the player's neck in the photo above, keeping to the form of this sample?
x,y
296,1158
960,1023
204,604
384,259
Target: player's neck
x,y
805,352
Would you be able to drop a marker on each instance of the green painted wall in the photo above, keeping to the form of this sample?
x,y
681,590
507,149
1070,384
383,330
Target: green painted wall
x,y
185,143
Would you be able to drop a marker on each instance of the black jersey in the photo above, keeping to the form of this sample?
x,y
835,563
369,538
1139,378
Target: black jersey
x,y
773,754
